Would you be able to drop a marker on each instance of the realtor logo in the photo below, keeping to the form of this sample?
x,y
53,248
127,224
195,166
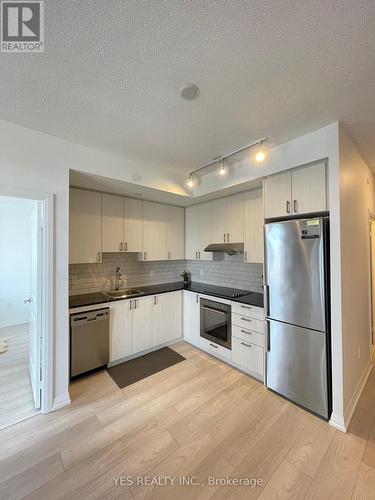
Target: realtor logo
x,y
22,26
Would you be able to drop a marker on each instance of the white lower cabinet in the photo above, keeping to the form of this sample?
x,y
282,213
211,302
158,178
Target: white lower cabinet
x,y
248,355
191,317
120,328
167,317
215,349
140,324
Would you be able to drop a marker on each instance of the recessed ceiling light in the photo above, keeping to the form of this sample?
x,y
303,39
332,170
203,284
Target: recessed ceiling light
x,y
189,91
260,156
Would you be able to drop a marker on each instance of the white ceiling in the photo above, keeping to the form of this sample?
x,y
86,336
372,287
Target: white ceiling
x,y
111,72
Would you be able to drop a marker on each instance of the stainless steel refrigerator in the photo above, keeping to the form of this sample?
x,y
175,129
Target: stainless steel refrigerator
x,y
297,312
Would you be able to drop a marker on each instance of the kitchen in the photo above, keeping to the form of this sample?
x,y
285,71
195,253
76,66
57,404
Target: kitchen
x,y
127,255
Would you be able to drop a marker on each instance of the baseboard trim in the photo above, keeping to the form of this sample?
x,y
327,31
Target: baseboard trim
x,y
61,401
348,412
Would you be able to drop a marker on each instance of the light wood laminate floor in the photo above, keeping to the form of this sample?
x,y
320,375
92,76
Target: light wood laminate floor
x,y
16,398
198,418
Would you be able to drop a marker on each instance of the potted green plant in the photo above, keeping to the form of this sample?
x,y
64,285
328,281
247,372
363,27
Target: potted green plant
x,y
186,277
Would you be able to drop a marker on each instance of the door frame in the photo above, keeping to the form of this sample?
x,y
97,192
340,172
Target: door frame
x,y
371,220
47,287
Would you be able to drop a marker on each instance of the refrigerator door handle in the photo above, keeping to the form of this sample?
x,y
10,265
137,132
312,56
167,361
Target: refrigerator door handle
x,y
266,300
268,335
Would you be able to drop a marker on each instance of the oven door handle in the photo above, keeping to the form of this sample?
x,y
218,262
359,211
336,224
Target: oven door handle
x,y
214,310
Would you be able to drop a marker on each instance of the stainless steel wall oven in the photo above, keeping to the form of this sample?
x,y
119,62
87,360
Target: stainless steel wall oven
x,y
216,323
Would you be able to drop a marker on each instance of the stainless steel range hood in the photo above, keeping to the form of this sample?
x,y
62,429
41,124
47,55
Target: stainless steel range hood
x,y
229,248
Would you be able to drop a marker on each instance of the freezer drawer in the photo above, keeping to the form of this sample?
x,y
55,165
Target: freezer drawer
x,y
297,365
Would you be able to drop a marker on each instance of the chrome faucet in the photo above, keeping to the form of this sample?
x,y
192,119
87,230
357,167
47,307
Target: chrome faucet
x,y
119,282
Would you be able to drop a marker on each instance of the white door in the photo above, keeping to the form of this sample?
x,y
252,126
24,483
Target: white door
x,y
142,324
235,218
191,233
204,230
85,226
112,223
154,231
309,189
219,221
132,225
278,195
36,304
120,330
167,317
175,233
253,226
190,317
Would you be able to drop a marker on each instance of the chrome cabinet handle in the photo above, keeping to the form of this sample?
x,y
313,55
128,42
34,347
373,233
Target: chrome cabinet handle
x,y
288,207
295,206
247,319
246,345
121,247
169,255
154,300
224,238
245,256
196,255
197,299
199,255
246,307
213,345
130,304
227,237
135,304
247,333
25,301
268,336
125,246
144,255
98,257
266,300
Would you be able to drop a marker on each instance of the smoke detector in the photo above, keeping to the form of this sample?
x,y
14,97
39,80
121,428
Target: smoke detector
x,y
189,91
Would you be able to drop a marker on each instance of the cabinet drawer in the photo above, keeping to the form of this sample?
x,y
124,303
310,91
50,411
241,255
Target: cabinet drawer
x,y
248,311
215,349
248,336
252,324
248,355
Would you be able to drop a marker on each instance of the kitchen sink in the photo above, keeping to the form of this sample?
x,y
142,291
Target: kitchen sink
x,y
123,294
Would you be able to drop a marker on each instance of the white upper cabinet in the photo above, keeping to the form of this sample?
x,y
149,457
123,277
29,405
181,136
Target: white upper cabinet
x,y
227,219
219,221
309,189
278,195
191,233
204,230
175,233
154,231
234,217
253,226
112,223
299,191
133,222
85,226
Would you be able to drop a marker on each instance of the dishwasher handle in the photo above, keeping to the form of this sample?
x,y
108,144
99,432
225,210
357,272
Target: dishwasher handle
x,y
86,317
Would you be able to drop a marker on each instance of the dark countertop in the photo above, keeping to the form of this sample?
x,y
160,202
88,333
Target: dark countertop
x,y
250,298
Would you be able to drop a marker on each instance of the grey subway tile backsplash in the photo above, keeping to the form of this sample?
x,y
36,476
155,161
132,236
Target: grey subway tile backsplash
x,y
224,270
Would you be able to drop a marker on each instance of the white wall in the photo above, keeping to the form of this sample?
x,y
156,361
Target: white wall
x,y
15,259
356,199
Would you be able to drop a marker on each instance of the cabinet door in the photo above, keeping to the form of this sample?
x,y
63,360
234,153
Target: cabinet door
x,y
154,231
253,226
191,317
142,324
248,355
219,221
191,233
120,330
85,226
309,189
204,230
175,233
167,317
132,225
278,195
235,218
112,223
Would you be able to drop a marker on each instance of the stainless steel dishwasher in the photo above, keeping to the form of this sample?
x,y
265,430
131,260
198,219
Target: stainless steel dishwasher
x,y
89,341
